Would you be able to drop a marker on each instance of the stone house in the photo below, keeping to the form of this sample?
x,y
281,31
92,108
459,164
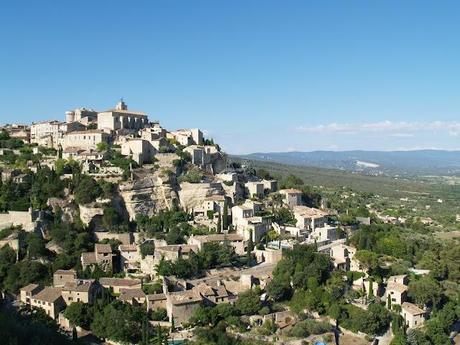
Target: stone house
x,y
61,277
343,257
102,257
213,203
270,186
255,189
173,252
87,140
309,218
50,300
397,293
413,315
26,293
187,137
133,296
182,305
81,290
291,197
130,257
139,150
156,301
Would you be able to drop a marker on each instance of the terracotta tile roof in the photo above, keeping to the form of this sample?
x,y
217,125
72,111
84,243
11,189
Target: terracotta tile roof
x,y
156,297
88,258
103,248
397,287
49,294
79,285
29,288
412,308
128,294
185,297
119,281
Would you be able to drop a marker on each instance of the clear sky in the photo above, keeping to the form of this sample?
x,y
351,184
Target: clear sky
x,y
255,75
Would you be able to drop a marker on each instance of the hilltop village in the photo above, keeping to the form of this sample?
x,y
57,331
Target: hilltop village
x,y
117,228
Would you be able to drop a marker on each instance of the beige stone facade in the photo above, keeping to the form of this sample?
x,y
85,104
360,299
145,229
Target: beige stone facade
x,y
87,140
413,315
121,118
291,197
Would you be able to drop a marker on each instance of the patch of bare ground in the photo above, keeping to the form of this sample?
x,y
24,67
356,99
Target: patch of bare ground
x,y
347,339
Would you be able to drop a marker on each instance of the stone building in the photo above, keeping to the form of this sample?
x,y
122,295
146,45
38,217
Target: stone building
x,y
182,305
187,137
291,197
82,115
50,300
413,315
121,118
87,140
61,277
255,189
139,150
309,218
102,257
81,290
235,240
51,133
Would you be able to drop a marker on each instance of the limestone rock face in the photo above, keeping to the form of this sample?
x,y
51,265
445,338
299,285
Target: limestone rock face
x,y
68,207
148,195
89,212
191,195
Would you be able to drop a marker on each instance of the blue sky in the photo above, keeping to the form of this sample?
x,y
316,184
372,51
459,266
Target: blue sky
x,y
255,75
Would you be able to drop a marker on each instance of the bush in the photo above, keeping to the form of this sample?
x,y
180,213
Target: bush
x,y
305,328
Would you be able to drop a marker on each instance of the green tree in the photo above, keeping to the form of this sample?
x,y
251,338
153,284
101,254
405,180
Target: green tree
x,y
78,314
248,303
425,291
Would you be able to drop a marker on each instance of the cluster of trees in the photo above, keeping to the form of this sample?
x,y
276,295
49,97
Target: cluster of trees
x,y
111,319
117,159
298,266
16,274
30,329
393,240
248,303
34,191
212,255
374,320
171,224
305,328
9,143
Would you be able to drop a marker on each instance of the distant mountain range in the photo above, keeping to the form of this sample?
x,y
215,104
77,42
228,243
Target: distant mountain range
x,y
418,162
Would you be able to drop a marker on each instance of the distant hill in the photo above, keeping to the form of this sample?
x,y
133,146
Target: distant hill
x,y
419,162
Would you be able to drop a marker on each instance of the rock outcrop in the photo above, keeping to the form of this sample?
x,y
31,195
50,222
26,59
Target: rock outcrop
x,y
148,194
89,212
191,195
